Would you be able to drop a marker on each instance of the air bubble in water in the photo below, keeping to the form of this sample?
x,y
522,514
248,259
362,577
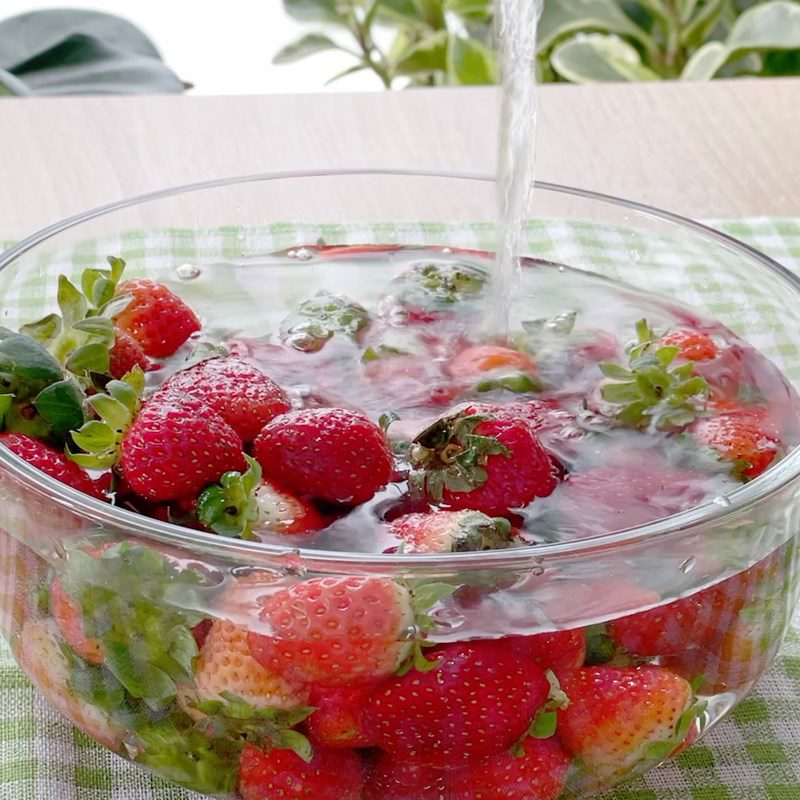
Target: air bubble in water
x,y
188,272
537,571
635,255
447,250
303,254
688,565
240,236
561,268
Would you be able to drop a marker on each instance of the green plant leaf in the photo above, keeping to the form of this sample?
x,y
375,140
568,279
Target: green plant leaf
x,y
25,366
697,28
306,45
70,51
563,17
429,54
61,404
92,357
345,72
599,58
774,25
470,63
5,406
11,86
314,10
44,330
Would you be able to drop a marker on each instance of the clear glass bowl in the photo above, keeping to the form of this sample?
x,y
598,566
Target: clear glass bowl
x,y
730,565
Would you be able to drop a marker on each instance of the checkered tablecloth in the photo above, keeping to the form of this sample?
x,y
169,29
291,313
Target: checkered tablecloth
x,y
752,755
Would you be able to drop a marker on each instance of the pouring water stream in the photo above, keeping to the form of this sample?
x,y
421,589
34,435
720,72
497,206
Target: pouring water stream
x,y
515,30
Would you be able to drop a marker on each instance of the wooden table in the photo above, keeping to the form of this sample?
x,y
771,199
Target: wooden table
x,y
727,148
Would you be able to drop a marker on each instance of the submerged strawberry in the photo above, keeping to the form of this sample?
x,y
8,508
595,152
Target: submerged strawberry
x,y
335,631
329,453
692,344
328,775
475,360
53,463
401,778
536,771
338,717
239,392
175,446
740,438
619,717
477,700
225,667
155,317
41,657
67,615
481,462
629,491
559,650
451,531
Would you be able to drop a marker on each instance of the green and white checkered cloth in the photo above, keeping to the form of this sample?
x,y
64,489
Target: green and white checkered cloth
x,y
753,755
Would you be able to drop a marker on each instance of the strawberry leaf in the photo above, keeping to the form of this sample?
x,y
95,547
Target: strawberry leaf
x,y
381,351
430,284
650,390
61,405
517,382
544,725
234,718
229,507
44,330
447,454
186,756
71,302
317,319
138,605
117,408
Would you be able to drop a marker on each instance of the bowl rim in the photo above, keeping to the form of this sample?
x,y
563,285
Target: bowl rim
x,y
684,523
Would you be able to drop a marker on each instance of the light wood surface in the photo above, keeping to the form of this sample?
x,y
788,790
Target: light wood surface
x,y
726,148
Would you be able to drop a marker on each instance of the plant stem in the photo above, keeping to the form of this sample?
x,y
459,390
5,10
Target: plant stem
x,y
369,49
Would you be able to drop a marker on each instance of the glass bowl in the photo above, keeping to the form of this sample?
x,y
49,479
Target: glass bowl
x,y
721,578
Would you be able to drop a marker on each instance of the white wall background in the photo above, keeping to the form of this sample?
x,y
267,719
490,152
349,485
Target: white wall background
x,y
223,46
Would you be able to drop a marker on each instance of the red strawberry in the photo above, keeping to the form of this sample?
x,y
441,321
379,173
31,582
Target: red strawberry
x,y
537,773
622,494
239,392
490,465
335,631
176,446
418,379
338,718
126,354
401,778
738,438
451,531
477,700
330,775
474,361
682,624
67,616
327,453
559,650
158,319
614,713
282,512
745,650
692,345
52,462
